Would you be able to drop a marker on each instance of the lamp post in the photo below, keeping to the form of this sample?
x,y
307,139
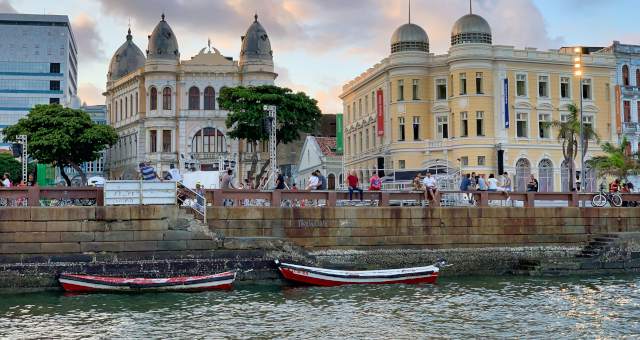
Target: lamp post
x,y
578,72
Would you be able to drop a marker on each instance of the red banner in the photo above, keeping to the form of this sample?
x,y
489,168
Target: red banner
x,y
380,106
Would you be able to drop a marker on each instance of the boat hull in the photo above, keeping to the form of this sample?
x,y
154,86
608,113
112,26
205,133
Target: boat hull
x,y
88,283
328,278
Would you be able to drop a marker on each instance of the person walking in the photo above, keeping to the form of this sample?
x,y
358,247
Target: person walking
x,y
354,185
147,172
375,183
532,186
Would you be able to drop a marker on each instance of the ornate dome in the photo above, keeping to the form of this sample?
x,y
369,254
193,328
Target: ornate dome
x,y
409,37
471,28
127,59
162,42
255,44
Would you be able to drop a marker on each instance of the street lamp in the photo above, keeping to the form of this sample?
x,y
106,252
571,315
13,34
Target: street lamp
x,y
578,72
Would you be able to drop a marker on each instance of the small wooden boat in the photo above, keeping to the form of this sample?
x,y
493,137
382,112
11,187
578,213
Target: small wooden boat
x,y
88,283
330,277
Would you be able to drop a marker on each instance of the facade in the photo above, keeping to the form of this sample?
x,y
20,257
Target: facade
x,y
319,153
480,107
38,64
165,109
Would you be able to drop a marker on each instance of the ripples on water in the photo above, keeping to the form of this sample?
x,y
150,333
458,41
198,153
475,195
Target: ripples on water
x,y
456,308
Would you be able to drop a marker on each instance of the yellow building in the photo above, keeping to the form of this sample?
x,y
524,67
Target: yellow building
x,y
415,110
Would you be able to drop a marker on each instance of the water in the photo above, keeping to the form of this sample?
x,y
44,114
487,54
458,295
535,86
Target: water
x,y
606,307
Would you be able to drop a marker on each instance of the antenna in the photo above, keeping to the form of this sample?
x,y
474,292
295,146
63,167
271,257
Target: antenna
x,y
409,11
470,9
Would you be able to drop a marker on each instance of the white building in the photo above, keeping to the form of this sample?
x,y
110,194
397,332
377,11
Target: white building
x,y
165,109
38,64
319,153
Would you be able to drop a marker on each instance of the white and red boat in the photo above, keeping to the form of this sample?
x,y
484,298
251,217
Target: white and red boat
x,y
330,277
88,283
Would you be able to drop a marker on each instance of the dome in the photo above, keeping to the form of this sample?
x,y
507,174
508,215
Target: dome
x,y
163,43
471,28
127,59
409,37
255,44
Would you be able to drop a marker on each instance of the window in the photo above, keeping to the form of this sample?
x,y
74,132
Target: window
x,y
54,100
443,127
194,98
166,140
54,68
360,107
348,113
464,124
481,160
544,125
121,110
131,105
565,88
366,103
586,89
441,89
373,102
464,160
366,139
136,107
400,90
401,164
212,140
521,125
588,122
564,117
126,107
54,85
361,142
153,98
463,84
416,128
627,111
153,141
451,88
543,86
479,123
166,98
479,83
414,89
625,75
400,128
521,85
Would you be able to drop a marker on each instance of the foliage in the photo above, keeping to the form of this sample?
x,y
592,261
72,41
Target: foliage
x,y
12,166
62,136
617,162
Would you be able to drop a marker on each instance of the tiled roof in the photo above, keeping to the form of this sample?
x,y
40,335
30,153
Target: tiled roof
x,y
327,145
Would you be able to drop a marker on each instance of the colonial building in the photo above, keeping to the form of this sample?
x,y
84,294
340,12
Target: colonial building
x,y
319,153
480,107
165,109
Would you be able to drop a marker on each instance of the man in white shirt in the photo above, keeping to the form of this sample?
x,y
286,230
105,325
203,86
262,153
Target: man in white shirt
x,y
314,182
430,187
6,182
175,173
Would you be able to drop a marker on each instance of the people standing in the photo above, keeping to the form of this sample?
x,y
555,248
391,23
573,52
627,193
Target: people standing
x,y
227,180
279,181
147,172
375,183
533,184
430,187
353,183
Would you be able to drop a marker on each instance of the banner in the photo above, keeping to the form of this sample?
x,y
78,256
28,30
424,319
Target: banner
x,y
618,118
339,135
506,103
380,106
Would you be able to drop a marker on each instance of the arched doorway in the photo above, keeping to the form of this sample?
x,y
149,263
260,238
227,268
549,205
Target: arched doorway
x,y
545,175
523,171
564,176
331,182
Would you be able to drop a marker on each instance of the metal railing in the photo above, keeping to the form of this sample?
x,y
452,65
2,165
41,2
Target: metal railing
x,y
36,196
192,200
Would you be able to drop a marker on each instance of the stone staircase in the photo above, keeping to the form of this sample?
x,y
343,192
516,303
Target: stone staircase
x,y
598,246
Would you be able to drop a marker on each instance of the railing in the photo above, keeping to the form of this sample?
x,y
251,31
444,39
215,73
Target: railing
x,y
51,196
252,198
630,127
192,200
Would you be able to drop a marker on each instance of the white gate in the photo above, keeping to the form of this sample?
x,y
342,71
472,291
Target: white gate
x,y
139,193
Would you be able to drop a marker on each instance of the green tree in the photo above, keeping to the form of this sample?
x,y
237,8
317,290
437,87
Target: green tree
x,y
296,113
12,166
569,135
616,162
63,137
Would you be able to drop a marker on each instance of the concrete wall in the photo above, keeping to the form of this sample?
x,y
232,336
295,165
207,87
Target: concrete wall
x,y
395,227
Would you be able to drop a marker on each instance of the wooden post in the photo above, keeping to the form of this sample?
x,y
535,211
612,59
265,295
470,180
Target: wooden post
x,y
332,197
33,195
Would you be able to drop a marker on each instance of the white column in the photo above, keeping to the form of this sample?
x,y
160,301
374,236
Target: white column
x,y
634,110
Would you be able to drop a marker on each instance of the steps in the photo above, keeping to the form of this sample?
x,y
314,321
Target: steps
x,y
597,246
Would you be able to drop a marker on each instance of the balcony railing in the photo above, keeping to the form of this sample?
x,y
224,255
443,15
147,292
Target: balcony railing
x,y
630,127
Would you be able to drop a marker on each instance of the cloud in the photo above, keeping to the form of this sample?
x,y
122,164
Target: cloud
x,y
5,7
90,94
87,37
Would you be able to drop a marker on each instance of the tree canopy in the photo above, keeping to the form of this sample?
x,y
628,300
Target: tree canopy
x,y
296,112
12,166
62,136
617,161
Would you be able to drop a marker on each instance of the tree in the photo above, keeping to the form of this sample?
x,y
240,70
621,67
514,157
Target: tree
x,y
296,113
617,162
569,135
12,166
63,137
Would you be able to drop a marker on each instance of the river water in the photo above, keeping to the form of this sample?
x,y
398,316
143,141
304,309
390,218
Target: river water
x,y
494,307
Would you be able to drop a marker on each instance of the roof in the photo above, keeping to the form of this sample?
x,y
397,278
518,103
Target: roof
x,y
127,59
162,42
327,145
255,44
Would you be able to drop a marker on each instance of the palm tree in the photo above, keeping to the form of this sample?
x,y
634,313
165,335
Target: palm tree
x,y
617,162
569,135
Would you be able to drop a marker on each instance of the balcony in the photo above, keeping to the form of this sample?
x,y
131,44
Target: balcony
x,y
630,90
630,127
210,155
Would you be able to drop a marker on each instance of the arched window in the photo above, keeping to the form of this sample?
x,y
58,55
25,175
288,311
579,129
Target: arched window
x,y
121,115
166,98
153,99
131,105
523,171
565,176
625,75
126,108
331,179
208,140
136,102
194,98
545,176
209,98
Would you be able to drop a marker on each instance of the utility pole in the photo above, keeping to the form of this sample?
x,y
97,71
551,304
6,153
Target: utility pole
x,y
22,139
271,110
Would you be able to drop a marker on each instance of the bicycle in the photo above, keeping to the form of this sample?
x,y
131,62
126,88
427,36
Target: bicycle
x,y
601,198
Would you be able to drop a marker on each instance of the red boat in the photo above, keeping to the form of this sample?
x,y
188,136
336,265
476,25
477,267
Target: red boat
x,y
88,283
330,277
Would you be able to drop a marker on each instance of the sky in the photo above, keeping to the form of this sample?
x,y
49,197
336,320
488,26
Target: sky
x,y
319,45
